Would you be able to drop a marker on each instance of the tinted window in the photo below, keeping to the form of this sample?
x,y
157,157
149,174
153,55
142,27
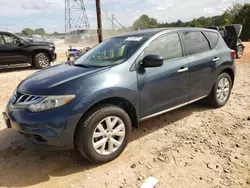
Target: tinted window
x,y
9,39
212,38
222,32
169,47
1,40
195,42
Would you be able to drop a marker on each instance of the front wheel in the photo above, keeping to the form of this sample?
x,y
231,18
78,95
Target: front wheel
x,y
41,60
103,134
221,91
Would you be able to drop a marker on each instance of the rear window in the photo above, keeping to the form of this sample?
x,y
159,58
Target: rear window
x,y
212,38
195,42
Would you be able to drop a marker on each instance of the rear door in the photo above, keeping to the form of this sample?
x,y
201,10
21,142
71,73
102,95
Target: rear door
x,y
163,87
202,57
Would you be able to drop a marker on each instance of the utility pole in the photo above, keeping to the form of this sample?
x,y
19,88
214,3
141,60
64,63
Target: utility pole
x,y
99,20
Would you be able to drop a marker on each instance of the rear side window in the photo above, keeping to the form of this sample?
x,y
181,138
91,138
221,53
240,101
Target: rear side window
x,y
195,42
168,46
212,38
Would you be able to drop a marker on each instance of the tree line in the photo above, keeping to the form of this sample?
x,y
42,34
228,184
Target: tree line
x,y
235,14
39,31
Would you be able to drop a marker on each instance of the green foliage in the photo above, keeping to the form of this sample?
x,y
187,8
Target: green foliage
x,y
243,17
27,31
194,23
237,14
234,10
145,22
205,21
226,19
40,31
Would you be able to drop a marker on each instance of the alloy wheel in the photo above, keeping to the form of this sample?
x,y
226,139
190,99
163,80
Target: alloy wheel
x,y
108,135
43,60
223,90
240,52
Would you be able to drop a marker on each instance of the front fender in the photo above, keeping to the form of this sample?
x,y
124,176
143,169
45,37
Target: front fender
x,y
93,98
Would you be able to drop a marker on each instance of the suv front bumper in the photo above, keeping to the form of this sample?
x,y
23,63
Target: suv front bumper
x,y
44,128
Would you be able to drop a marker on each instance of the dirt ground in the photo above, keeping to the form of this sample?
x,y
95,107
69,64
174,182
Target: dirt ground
x,y
195,146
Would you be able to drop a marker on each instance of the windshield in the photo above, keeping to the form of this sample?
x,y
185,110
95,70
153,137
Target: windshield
x,y
20,38
111,52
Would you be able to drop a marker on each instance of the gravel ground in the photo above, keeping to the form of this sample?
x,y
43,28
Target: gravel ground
x,y
195,146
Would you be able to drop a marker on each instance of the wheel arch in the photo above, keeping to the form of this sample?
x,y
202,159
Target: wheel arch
x,y
230,72
241,45
35,52
123,103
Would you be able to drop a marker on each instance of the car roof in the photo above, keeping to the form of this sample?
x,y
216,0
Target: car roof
x,y
4,32
151,32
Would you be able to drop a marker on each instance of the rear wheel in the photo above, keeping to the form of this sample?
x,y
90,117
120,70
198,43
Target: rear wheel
x,y
239,52
41,60
104,134
221,91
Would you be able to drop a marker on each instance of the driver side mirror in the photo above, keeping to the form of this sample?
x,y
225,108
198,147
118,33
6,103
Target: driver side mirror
x,y
152,61
20,42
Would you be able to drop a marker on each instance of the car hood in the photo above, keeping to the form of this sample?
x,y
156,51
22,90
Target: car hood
x,y
39,43
55,80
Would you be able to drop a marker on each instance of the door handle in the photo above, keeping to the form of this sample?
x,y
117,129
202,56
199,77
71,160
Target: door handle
x,y
183,69
216,59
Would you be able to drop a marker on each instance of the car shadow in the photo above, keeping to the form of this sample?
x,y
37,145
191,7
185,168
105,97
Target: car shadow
x,y
16,69
24,164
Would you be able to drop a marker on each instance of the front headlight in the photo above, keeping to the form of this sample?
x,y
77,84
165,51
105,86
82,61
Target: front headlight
x,y
51,102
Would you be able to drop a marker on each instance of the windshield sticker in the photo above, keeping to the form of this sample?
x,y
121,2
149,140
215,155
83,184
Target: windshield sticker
x,y
133,38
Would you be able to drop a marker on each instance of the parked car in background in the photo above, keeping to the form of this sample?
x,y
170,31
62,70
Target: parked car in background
x,y
92,104
231,35
15,50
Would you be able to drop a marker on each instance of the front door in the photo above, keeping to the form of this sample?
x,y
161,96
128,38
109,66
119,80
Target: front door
x,y
11,50
164,87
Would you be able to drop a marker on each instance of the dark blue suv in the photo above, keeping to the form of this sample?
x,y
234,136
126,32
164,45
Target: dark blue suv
x,y
92,104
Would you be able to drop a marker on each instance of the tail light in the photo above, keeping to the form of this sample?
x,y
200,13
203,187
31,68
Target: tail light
x,y
233,52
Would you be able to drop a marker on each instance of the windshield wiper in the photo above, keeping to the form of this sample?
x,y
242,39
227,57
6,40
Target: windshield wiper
x,y
69,63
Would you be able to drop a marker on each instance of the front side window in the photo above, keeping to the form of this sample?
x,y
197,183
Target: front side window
x,y
195,42
168,47
1,39
111,52
9,39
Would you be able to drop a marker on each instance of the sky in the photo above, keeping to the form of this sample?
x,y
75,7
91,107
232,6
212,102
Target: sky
x,y
50,15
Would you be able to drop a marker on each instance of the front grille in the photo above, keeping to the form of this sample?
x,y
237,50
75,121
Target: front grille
x,y
20,98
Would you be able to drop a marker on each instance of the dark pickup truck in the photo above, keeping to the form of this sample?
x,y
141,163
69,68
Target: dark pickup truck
x,y
15,50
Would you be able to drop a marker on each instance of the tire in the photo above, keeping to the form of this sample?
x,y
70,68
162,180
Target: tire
x,y
41,60
84,135
239,53
214,99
